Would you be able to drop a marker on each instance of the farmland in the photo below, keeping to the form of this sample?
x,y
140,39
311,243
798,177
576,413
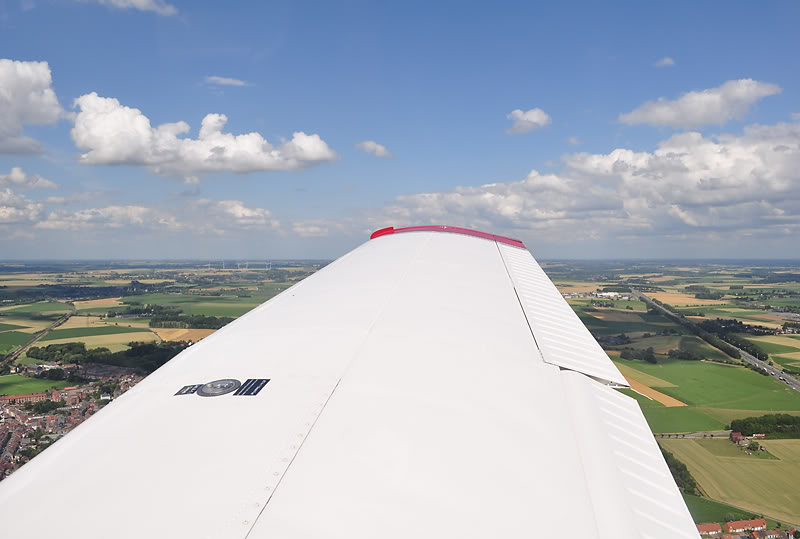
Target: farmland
x,y
62,334
764,486
713,391
102,299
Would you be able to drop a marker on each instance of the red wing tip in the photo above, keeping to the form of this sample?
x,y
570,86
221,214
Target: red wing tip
x,y
448,229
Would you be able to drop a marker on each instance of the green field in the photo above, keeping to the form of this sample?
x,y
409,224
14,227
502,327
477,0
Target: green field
x,y
763,486
791,362
714,393
703,383
771,347
14,384
649,323
225,305
9,340
722,447
696,345
6,327
89,332
707,510
623,304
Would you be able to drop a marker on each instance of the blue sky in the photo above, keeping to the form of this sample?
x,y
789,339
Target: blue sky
x,y
596,167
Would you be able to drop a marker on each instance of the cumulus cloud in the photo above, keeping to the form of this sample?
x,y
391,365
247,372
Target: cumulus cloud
x,y
113,134
157,6
16,208
665,62
718,105
18,178
235,214
224,81
528,120
574,141
690,186
26,98
370,146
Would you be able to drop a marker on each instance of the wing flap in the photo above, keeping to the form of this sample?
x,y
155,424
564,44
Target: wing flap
x,y
562,338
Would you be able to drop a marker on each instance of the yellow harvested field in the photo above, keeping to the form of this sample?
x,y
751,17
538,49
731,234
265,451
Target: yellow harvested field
x,y
132,324
82,322
762,486
105,302
104,340
677,298
666,400
576,287
662,278
179,334
31,326
616,316
632,374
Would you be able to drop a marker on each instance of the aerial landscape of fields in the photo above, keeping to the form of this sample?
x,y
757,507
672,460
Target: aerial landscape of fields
x,y
72,319
689,380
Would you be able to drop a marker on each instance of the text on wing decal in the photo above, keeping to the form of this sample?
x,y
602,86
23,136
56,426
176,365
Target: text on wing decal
x,y
250,388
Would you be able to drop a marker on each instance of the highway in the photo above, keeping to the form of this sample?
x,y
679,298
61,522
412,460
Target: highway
x,y
776,372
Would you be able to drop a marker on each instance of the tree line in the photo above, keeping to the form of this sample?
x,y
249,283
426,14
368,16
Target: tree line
x,y
773,425
680,473
144,358
694,329
725,329
172,317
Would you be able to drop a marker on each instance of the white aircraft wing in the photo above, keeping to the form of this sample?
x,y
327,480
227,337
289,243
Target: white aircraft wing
x,y
426,384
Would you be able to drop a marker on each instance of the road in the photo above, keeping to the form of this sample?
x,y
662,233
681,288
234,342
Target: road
x,y
790,381
16,353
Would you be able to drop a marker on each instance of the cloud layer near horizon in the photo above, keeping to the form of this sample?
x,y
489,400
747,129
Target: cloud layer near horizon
x,y
690,186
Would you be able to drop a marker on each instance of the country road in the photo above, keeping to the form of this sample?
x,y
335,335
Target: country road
x,y
776,372
16,353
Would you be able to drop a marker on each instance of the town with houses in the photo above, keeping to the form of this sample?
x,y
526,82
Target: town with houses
x,y
24,433
743,529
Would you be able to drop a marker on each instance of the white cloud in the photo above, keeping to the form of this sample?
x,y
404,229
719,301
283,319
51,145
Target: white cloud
x,y
795,116
16,208
529,120
17,177
26,98
730,101
665,62
108,217
113,134
370,146
574,141
158,6
319,228
224,81
197,217
691,186
234,214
